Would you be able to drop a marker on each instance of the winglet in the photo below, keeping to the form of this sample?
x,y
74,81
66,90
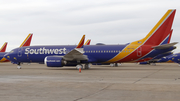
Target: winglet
x,y
3,48
88,42
81,43
27,41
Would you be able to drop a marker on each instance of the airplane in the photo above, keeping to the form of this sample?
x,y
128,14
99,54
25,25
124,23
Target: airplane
x,y
157,59
171,58
154,43
166,59
26,42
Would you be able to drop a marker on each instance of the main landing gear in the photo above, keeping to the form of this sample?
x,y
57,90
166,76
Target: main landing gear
x,y
153,64
86,66
114,64
19,65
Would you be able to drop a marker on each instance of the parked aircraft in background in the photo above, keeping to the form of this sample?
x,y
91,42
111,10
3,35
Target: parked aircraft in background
x,y
155,43
88,42
3,48
171,58
26,42
157,59
2,52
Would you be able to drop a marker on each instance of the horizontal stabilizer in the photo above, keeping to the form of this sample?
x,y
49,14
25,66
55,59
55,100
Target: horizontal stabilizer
x,y
165,46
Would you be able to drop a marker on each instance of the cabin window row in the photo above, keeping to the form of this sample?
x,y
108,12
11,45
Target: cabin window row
x,y
106,51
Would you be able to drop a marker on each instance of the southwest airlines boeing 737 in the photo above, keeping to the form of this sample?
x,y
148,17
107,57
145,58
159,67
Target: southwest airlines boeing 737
x,y
26,42
155,43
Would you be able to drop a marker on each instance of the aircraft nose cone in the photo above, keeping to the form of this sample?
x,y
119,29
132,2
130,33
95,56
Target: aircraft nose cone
x,y
7,56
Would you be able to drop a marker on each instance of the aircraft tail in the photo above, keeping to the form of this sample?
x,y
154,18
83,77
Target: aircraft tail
x,y
3,48
81,43
161,32
27,41
88,42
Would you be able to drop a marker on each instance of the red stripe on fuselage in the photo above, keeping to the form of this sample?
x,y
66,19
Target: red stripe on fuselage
x,y
138,53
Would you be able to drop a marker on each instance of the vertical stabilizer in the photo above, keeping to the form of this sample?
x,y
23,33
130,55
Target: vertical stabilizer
x,y
160,31
3,48
88,42
81,43
27,41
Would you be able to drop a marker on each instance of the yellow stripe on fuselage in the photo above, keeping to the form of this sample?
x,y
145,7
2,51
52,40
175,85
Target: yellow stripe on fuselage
x,y
136,44
3,59
125,52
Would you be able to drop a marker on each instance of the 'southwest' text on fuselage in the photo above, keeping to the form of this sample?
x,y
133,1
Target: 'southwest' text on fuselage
x,y
45,51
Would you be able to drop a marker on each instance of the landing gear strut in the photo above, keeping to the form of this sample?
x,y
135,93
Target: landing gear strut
x,y
153,64
19,65
114,64
86,66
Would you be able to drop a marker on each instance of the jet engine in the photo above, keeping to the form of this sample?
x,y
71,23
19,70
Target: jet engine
x,y
54,61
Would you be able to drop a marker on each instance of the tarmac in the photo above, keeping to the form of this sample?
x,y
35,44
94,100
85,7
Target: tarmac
x,y
127,82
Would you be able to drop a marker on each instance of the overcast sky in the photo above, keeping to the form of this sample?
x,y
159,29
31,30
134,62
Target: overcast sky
x,y
63,22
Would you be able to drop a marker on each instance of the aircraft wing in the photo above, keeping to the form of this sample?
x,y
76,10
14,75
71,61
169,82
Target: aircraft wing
x,y
76,53
165,46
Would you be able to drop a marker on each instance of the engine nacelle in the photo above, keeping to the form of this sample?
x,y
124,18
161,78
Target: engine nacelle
x,y
54,61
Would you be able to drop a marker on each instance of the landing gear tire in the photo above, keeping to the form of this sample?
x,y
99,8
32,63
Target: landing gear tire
x,y
79,66
86,66
111,64
18,67
153,64
114,64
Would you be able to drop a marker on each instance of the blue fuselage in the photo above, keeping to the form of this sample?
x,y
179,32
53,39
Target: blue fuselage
x,y
95,53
